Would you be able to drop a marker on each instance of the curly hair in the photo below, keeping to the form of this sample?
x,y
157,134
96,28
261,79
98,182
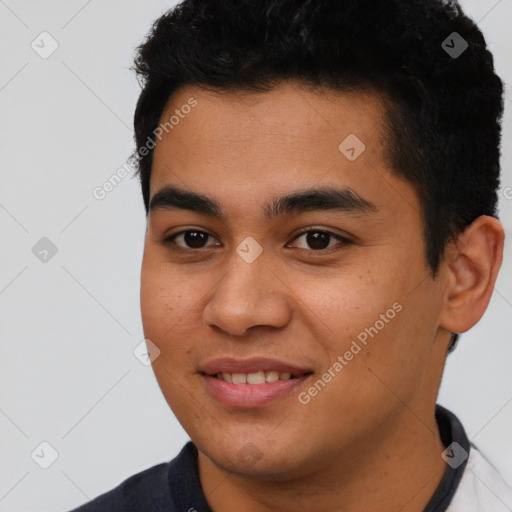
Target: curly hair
x,y
443,109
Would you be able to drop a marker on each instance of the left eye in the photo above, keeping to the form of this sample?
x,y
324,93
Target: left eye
x,y
194,239
319,240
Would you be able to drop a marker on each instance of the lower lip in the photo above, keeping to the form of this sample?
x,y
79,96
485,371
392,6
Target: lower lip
x,y
250,395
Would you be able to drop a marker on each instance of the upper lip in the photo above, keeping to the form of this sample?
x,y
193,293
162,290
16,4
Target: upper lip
x,y
250,365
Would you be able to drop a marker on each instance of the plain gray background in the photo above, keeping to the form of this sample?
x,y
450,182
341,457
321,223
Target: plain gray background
x,y
69,326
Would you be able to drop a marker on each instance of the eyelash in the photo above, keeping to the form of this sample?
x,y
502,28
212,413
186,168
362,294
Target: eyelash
x,y
344,241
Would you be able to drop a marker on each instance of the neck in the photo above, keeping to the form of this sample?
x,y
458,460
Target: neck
x,y
398,469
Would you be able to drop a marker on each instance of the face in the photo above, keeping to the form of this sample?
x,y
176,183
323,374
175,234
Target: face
x,y
277,246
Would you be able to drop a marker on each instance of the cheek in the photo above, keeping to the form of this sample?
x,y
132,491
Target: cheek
x,y
344,305
166,305
164,300
367,321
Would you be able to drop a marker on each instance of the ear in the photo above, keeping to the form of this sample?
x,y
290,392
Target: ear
x,y
472,264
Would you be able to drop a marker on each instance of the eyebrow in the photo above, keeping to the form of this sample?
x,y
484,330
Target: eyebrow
x,y
315,199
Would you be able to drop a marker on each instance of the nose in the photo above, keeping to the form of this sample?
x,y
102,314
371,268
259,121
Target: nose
x,y
248,295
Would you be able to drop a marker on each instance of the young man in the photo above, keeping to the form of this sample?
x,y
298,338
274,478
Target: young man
x,y
320,183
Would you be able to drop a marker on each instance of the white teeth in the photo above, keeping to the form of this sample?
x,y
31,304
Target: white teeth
x,y
271,376
226,377
254,378
239,378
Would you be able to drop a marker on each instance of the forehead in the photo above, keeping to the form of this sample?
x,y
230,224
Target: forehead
x,y
292,111
244,145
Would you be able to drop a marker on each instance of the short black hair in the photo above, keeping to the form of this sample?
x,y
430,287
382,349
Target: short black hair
x,y
443,100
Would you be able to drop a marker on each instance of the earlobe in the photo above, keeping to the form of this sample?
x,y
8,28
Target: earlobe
x,y
473,262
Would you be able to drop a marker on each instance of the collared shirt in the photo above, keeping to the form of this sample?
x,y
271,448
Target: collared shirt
x,y
470,482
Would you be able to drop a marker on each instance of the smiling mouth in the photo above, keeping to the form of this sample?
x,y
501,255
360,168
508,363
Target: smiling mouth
x,y
257,387
260,377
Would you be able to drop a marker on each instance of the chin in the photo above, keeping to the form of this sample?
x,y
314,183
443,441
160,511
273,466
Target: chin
x,y
256,459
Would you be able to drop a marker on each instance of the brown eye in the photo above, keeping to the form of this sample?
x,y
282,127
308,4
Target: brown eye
x,y
319,240
192,239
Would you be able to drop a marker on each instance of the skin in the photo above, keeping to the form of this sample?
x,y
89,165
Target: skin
x,y
368,440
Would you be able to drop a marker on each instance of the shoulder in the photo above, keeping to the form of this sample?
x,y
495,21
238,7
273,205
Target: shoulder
x,y
482,487
166,487
147,490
